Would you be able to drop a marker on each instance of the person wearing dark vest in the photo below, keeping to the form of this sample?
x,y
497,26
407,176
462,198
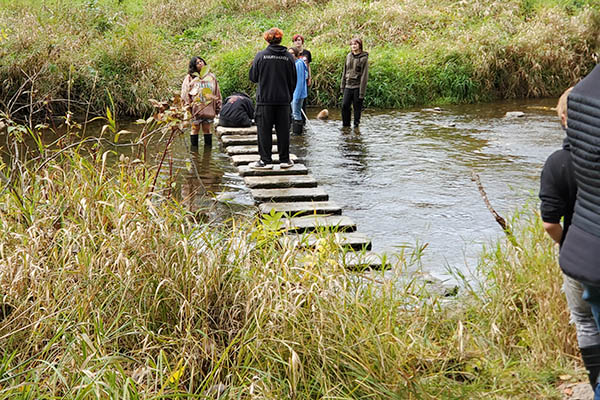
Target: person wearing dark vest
x,y
558,191
580,253
237,111
274,71
354,81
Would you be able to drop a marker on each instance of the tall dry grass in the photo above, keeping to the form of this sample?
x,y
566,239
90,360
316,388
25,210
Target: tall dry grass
x,y
442,51
108,291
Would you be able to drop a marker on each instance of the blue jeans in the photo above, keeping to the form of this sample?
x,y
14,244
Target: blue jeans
x,y
297,109
591,294
581,313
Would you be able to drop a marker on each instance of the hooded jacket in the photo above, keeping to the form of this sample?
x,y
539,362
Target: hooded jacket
x,y
356,72
274,70
580,254
558,189
237,111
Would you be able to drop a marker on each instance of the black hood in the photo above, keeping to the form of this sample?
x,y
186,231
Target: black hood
x,y
276,49
240,94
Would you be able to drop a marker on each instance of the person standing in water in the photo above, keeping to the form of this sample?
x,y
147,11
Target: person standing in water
x,y
274,71
299,93
306,56
200,90
354,81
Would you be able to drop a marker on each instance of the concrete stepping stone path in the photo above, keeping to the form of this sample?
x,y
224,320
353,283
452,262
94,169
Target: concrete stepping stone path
x,y
297,169
280,181
241,140
350,240
244,159
289,194
307,212
298,208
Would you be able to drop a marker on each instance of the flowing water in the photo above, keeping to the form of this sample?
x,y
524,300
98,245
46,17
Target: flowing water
x,y
404,177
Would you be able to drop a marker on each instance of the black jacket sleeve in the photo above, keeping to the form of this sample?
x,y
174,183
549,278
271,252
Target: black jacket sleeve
x,y
253,74
293,76
553,193
247,104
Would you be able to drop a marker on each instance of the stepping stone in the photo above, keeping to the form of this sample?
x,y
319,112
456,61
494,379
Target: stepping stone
x,y
240,159
250,149
225,130
311,223
240,140
359,261
349,240
299,208
297,169
291,194
280,181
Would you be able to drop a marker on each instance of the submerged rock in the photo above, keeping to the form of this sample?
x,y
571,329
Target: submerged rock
x,y
514,114
323,114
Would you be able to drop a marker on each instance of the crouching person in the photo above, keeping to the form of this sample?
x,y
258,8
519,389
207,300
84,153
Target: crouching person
x,y
237,111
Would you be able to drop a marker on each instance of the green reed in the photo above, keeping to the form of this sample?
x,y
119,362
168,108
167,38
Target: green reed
x,y
107,291
421,51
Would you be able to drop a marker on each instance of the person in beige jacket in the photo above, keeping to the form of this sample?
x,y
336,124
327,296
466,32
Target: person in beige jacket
x,y
200,90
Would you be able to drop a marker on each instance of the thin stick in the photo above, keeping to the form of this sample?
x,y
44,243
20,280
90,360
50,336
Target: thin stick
x,y
501,221
307,121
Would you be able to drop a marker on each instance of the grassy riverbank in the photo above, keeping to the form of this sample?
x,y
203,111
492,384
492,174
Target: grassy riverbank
x,y
59,54
107,294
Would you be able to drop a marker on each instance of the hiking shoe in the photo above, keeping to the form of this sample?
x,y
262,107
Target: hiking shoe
x,y
285,165
260,165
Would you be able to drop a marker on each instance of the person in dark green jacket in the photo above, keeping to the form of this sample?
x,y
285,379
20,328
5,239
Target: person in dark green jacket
x,y
354,81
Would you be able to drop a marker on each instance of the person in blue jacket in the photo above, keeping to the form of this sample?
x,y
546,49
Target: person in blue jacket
x,y
300,92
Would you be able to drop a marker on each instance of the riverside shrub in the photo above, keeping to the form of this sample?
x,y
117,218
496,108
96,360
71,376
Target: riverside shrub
x,y
421,52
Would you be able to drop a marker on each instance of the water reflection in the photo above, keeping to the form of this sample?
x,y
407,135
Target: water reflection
x,y
406,176
202,179
353,150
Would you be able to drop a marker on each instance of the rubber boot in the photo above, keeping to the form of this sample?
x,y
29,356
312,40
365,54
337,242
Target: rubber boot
x,y
208,139
591,360
194,140
297,127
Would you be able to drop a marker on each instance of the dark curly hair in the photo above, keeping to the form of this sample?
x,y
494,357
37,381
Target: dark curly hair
x,y
192,65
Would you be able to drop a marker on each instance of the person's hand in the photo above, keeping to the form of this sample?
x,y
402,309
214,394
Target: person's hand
x,y
308,81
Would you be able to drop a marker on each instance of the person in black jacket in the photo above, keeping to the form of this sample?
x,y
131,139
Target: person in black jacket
x,y
558,190
274,71
237,111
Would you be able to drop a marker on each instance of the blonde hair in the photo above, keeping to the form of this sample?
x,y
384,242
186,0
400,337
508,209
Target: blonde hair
x,y
561,107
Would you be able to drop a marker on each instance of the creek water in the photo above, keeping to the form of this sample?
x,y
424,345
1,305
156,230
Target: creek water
x,y
404,177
